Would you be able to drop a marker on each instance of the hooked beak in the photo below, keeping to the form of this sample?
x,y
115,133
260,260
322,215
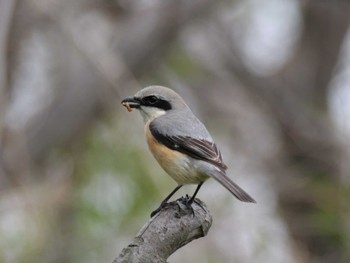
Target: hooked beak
x,y
131,102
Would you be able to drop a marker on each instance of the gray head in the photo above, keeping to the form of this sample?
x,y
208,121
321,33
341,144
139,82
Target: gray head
x,y
154,101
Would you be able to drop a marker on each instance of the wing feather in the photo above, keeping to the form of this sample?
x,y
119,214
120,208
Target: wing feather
x,y
200,149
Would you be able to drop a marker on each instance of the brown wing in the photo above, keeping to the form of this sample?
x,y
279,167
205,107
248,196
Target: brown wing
x,y
199,149
196,148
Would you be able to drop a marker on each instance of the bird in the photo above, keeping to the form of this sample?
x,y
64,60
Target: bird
x,y
180,142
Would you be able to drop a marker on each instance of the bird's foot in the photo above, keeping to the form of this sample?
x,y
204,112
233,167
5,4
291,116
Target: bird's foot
x,y
187,202
184,203
199,203
162,205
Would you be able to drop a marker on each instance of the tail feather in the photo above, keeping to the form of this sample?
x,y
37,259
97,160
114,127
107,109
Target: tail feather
x,y
237,191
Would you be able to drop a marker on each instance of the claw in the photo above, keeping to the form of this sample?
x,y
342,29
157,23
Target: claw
x,y
188,203
199,204
162,205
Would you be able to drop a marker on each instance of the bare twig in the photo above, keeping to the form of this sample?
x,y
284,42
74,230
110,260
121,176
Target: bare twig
x,y
173,227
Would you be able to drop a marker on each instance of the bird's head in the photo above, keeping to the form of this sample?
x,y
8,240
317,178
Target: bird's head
x,y
154,101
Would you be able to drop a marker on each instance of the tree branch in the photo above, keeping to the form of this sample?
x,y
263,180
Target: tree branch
x,y
173,227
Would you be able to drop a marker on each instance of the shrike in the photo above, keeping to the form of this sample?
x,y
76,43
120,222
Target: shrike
x,y
180,142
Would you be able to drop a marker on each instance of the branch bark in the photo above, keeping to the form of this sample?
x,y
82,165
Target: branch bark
x,y
173,227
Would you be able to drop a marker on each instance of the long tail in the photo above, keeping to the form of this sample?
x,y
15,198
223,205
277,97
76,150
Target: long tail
x,y
231,186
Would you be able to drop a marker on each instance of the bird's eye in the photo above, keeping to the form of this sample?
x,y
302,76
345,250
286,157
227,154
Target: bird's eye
x,y
151,99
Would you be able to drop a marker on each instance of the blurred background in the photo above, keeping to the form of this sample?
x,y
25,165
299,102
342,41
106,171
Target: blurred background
x,y
270,79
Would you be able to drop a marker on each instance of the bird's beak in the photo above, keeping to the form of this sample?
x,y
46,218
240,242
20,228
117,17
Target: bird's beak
x,y
131,102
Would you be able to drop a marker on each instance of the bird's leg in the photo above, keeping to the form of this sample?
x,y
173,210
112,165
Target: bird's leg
x,y
195,193
189,202
164,202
